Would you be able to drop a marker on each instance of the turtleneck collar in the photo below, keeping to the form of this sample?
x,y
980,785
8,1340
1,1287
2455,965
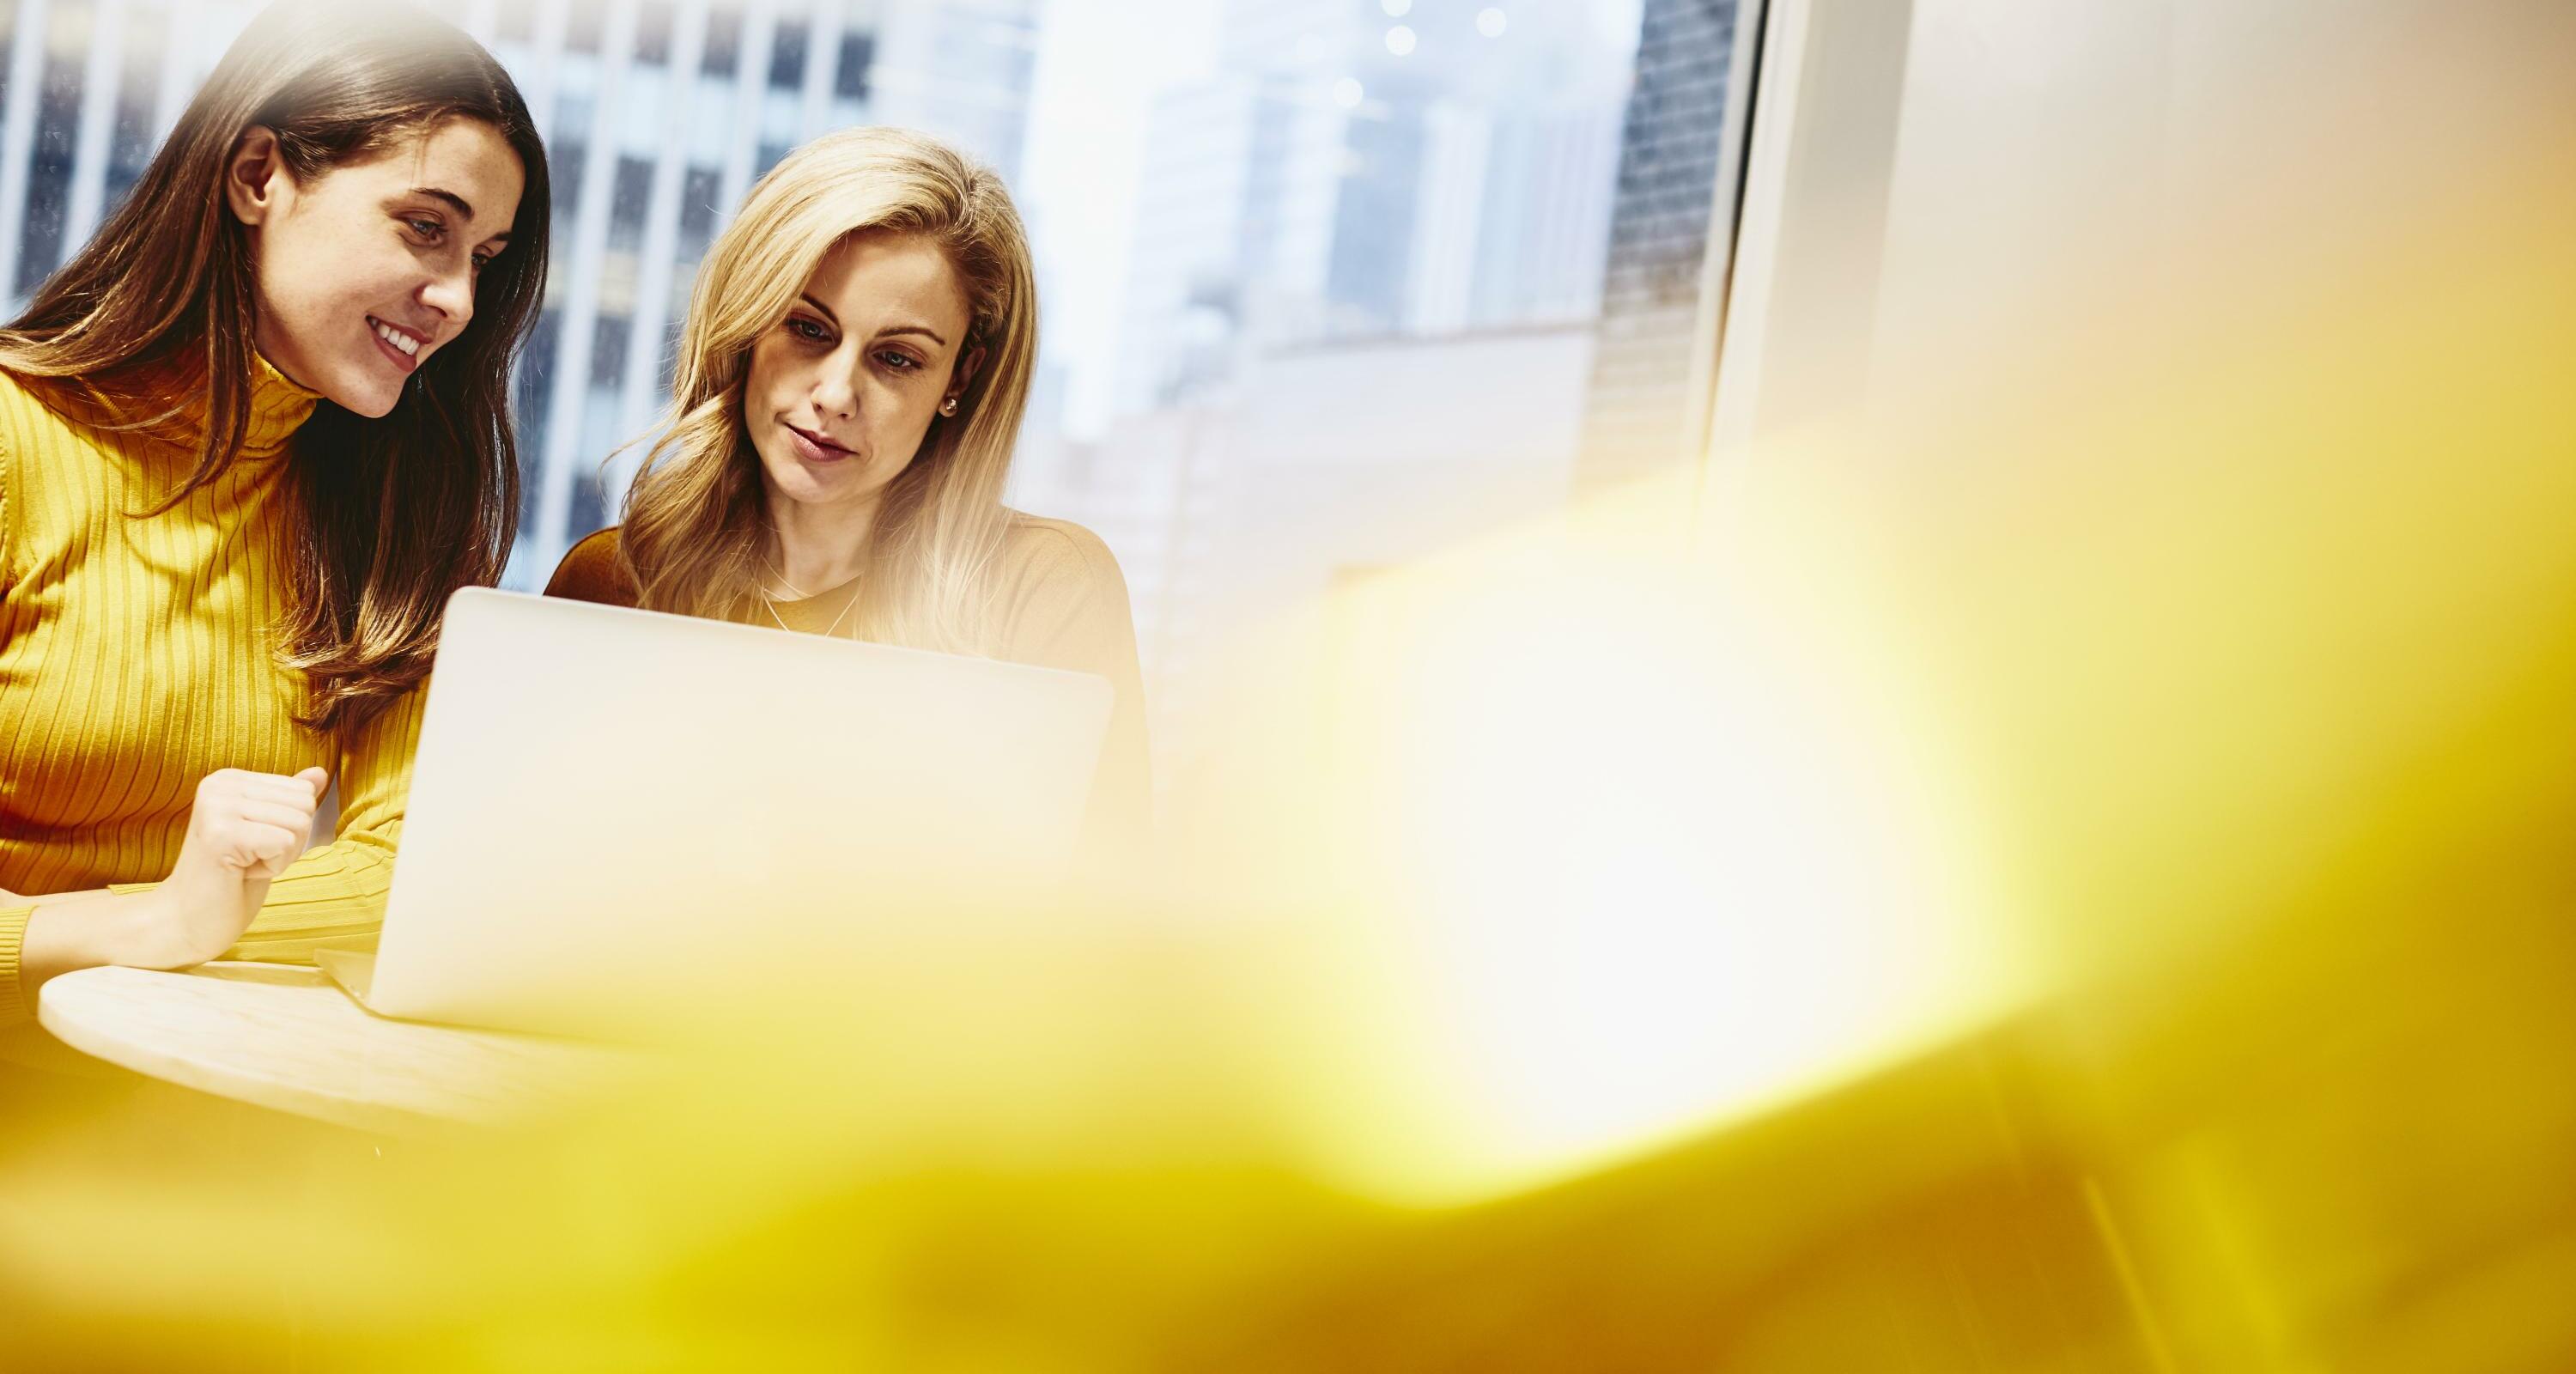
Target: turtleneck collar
x,y
168,401
175,395
278,407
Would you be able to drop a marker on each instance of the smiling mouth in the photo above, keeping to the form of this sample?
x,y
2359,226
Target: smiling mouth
x,y
404,344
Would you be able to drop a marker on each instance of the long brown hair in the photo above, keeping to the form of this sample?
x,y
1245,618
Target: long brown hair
x,y
398,512
695,520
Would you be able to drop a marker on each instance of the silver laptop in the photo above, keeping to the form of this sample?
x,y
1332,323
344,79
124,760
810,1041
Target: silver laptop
x,y
609,803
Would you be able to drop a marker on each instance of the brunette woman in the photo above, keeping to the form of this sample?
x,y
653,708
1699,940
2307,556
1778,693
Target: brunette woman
x,y
251,436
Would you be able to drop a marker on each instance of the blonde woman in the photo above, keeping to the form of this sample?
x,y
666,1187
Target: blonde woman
x,y
851,381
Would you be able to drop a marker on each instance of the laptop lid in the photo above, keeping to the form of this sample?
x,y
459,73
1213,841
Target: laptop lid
x,y
608,801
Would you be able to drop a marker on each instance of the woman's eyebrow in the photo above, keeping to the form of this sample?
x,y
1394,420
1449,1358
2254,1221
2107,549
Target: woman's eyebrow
x,y
890,331
922,329
461,204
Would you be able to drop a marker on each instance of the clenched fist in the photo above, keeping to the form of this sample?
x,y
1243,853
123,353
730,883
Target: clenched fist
x,y
244,829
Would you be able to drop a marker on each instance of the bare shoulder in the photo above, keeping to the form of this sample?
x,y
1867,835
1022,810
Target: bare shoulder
x,y
595,570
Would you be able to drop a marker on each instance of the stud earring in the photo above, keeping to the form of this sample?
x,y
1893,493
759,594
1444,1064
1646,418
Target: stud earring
x,y
948,407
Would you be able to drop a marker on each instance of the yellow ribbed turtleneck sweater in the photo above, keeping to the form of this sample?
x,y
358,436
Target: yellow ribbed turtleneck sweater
x,y
138,655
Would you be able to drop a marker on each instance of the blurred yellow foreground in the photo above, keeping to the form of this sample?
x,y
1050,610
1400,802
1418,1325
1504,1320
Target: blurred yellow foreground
x,y
2075,870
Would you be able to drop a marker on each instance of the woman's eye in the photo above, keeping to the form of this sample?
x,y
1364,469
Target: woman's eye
x,y
807,329
429,229
900,362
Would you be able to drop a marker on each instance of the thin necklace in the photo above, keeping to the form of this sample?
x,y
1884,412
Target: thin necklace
x,y
792,589
829,631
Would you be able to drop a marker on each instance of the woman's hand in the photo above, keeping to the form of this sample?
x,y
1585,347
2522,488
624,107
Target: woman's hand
x,y
243,831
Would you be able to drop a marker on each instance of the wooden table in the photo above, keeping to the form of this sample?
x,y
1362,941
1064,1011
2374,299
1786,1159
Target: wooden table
x,y
288,1038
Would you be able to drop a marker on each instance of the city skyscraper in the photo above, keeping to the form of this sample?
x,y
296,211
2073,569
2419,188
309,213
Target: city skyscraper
x,y
1372,167
1359,310
1651,394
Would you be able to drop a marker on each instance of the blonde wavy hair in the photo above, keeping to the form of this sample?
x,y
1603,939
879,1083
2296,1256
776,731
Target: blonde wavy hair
x,y
695,518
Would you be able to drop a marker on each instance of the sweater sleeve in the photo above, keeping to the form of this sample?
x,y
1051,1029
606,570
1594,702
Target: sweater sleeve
x,y
8,518
336,894
594,570
1067,607
332,896
14,1005
13,919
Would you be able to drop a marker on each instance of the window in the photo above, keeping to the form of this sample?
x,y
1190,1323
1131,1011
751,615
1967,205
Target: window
x,y
629,199
608,350
858,53
723,52
653,33
787,56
